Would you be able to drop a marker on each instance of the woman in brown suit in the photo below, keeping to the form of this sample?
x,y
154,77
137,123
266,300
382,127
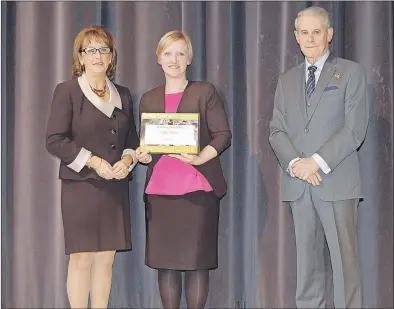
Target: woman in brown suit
x,y
183,191
91,130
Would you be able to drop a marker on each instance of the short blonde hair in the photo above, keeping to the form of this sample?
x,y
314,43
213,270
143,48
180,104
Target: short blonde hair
x,y
314,11
93,33
171,37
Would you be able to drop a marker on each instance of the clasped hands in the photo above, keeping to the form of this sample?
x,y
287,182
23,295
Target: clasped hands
x,y
119,170
308,170
146,158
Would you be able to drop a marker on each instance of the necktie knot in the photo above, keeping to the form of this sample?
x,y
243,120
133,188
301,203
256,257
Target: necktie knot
x,y
312,69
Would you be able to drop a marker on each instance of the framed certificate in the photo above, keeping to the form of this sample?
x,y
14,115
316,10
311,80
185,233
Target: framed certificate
x,y
170,132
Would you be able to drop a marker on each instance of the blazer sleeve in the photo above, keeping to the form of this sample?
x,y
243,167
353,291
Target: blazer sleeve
x,y
132,140
217,122
278,138
141,108
140,111
346,140
59,140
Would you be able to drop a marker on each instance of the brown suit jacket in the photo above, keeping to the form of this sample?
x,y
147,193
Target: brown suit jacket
x,y
74,122
202,98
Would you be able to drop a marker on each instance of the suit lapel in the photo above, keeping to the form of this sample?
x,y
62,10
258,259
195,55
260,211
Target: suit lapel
x,y
159,103
325,76
182,107
300,86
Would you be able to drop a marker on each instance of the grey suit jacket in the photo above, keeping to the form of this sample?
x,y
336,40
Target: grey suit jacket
x,y
333,126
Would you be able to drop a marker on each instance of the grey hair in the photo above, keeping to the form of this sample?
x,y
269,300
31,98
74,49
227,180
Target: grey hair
x,y
314,11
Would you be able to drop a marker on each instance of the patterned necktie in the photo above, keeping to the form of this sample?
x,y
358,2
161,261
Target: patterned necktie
x,y
310,84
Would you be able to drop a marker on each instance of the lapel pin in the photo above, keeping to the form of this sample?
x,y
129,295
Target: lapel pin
x,y
338,75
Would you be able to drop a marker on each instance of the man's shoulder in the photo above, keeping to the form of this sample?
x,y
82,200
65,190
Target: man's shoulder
x,y
291,73
349,68
346,63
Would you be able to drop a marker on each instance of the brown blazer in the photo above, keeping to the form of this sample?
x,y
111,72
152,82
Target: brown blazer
x,y
74,122
202,98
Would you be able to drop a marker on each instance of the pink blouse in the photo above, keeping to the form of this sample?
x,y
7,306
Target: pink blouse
x,y
171,176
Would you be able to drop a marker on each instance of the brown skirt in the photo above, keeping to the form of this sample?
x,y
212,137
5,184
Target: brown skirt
x,y
182,231
96,215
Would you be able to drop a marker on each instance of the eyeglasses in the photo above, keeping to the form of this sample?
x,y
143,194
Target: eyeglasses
x,y
93,50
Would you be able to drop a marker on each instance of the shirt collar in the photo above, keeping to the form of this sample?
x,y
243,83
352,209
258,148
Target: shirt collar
x,y
105,107
319,63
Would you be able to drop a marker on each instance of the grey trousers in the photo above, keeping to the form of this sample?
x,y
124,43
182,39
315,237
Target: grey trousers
x,y
337,221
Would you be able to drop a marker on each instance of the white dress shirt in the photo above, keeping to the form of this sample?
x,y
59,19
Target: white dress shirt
x,y
319,65
319,160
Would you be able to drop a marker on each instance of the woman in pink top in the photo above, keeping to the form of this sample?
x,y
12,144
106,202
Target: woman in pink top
x,y
183,192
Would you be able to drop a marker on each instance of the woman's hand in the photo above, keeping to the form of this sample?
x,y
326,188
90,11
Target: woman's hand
x,y
121,169
188,158
102,167
144,156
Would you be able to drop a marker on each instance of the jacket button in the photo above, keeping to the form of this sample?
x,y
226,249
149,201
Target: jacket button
x,y
308,104
306,130
113,131
113,146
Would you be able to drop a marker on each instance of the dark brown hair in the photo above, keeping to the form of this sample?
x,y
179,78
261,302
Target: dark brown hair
x,y
93,33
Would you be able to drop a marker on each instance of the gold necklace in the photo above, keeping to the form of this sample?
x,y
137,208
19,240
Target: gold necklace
x,y
100,93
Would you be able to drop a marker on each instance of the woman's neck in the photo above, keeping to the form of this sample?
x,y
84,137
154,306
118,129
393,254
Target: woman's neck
x,y
96,81
175,85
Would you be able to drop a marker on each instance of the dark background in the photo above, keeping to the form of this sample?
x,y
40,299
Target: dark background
x,y
240,47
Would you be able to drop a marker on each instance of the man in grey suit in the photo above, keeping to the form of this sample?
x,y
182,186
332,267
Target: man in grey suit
x,y
319,121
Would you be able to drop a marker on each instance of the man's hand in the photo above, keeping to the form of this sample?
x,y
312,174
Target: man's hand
x,y
188,158
305,168
315,179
